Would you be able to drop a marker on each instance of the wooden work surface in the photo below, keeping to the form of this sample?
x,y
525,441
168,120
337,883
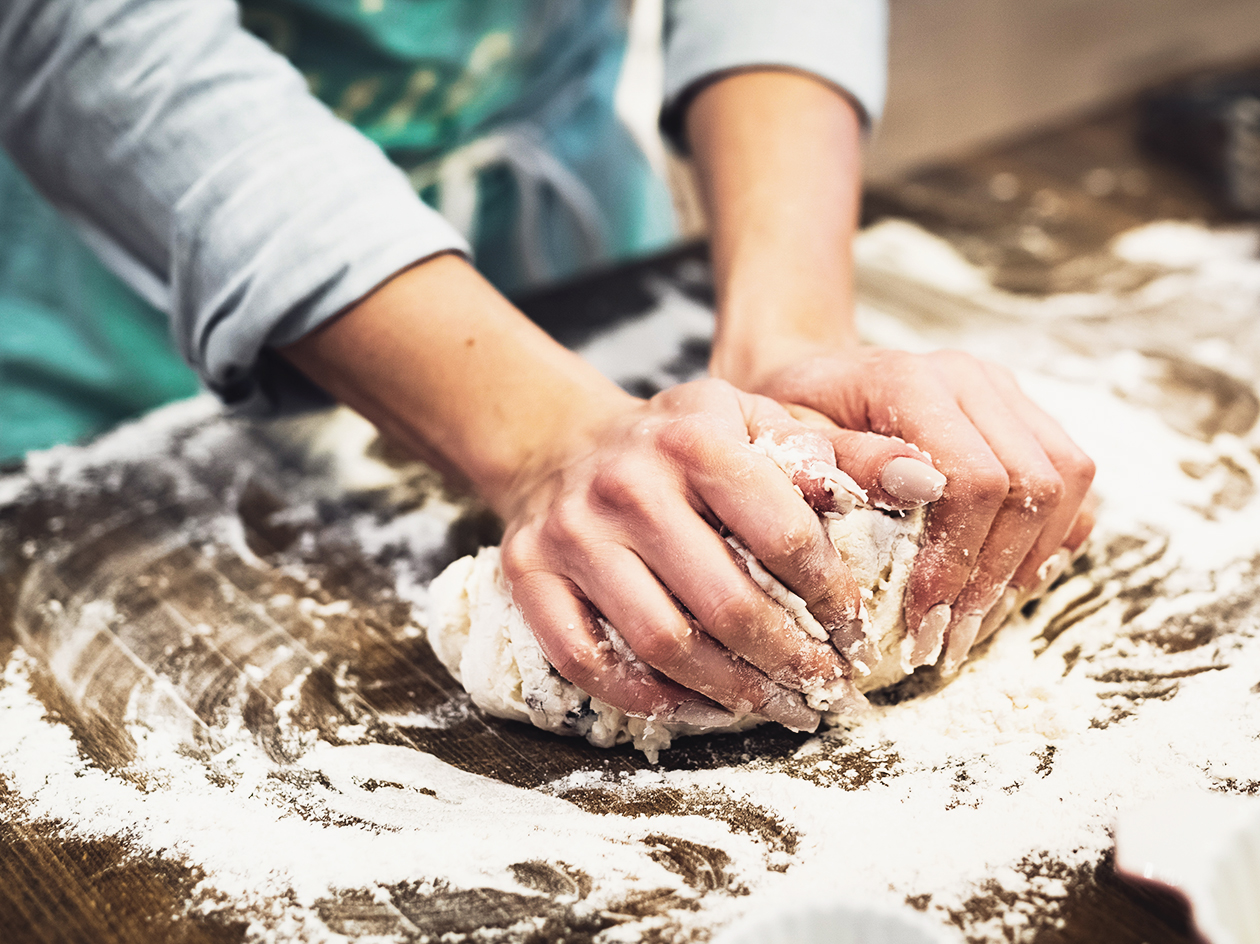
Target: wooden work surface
x,y
1039,213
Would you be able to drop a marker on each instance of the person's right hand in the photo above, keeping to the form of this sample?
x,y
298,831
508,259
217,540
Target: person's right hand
x,y
624,524
778,157
1016,506
616,508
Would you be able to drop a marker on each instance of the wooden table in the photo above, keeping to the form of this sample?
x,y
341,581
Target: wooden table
x,y
1039,212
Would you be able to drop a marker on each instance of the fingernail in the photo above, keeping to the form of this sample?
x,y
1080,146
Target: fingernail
x,y
849,701
854,643
997,616
925,645
910,480
840,694
961,637
702,714
1051,570
790,710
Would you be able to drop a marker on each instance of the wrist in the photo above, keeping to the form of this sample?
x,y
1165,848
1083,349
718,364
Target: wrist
x,y
580,419
448,368
779,162
775,323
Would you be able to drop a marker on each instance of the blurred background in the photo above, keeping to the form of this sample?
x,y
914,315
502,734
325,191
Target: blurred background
x,y
964,74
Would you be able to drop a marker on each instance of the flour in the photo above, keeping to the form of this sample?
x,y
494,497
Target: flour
x,y
483,639
1177,245
376,815
983,801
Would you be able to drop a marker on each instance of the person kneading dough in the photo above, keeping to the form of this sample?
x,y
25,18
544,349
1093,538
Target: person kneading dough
x,y
662,565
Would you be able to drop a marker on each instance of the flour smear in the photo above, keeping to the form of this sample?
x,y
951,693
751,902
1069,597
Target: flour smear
x,y
1135,677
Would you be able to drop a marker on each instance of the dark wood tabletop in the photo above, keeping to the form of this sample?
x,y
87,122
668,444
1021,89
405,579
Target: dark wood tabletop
x,y
1039,212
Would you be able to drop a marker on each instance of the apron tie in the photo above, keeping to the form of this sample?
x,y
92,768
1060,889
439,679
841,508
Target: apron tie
x,y
534,169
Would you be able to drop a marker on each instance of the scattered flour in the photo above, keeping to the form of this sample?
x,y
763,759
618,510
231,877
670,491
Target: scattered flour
x,y
483,640
1135,677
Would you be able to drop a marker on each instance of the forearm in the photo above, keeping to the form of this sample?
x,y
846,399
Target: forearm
x,y
778,155
197,164
445,365
611,503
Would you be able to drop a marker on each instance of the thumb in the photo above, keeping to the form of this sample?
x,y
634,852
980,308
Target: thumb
x,y
894,473
806,455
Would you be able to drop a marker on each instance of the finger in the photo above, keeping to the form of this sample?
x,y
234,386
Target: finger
x,y
826,691
1056,565
957,524
723,475
1034,494
577,645
895,475
658,633
871,459
805,454
1074,468
786,536
689,557
1083,525
1005,606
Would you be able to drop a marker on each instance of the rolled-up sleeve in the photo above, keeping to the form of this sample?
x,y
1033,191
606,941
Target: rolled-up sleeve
x,y
198,165
843,42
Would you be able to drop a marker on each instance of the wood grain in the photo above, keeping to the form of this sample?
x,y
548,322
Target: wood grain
x,y
361,667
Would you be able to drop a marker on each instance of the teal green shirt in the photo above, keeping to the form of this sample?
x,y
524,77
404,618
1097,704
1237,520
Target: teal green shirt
x,y
80,350
194,161
423,78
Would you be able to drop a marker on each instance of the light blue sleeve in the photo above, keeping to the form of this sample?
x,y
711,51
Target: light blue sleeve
x,y
844,42
196,163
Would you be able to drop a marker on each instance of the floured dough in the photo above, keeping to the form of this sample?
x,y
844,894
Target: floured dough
x,y
483,640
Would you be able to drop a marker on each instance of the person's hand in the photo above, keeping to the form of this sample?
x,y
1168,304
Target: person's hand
x,y
779,162
617,509
1015,506
623,527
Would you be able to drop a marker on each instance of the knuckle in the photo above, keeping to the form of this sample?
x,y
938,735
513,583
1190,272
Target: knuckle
x,y
899,365
1004,374
659,647
959,360
986,486
630,493
693,394
732,617
839,596
711,387
615,486
1081,470
1037,493
514,557
685,438
893,357
791,540
1075,467
565,526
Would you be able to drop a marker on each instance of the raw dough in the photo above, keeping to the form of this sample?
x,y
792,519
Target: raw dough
x,y
483,640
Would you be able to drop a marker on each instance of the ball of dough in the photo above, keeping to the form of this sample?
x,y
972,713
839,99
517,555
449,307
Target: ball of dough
x,y
482,639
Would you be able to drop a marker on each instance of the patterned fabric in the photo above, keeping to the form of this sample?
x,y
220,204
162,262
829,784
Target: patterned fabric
x,y
427,80
79,350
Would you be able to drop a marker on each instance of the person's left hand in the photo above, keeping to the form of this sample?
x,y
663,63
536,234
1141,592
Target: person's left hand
x,y
1015,504
778,156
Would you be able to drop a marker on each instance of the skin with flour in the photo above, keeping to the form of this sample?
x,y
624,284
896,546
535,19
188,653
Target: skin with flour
x,y
779,156
613,505
484,641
